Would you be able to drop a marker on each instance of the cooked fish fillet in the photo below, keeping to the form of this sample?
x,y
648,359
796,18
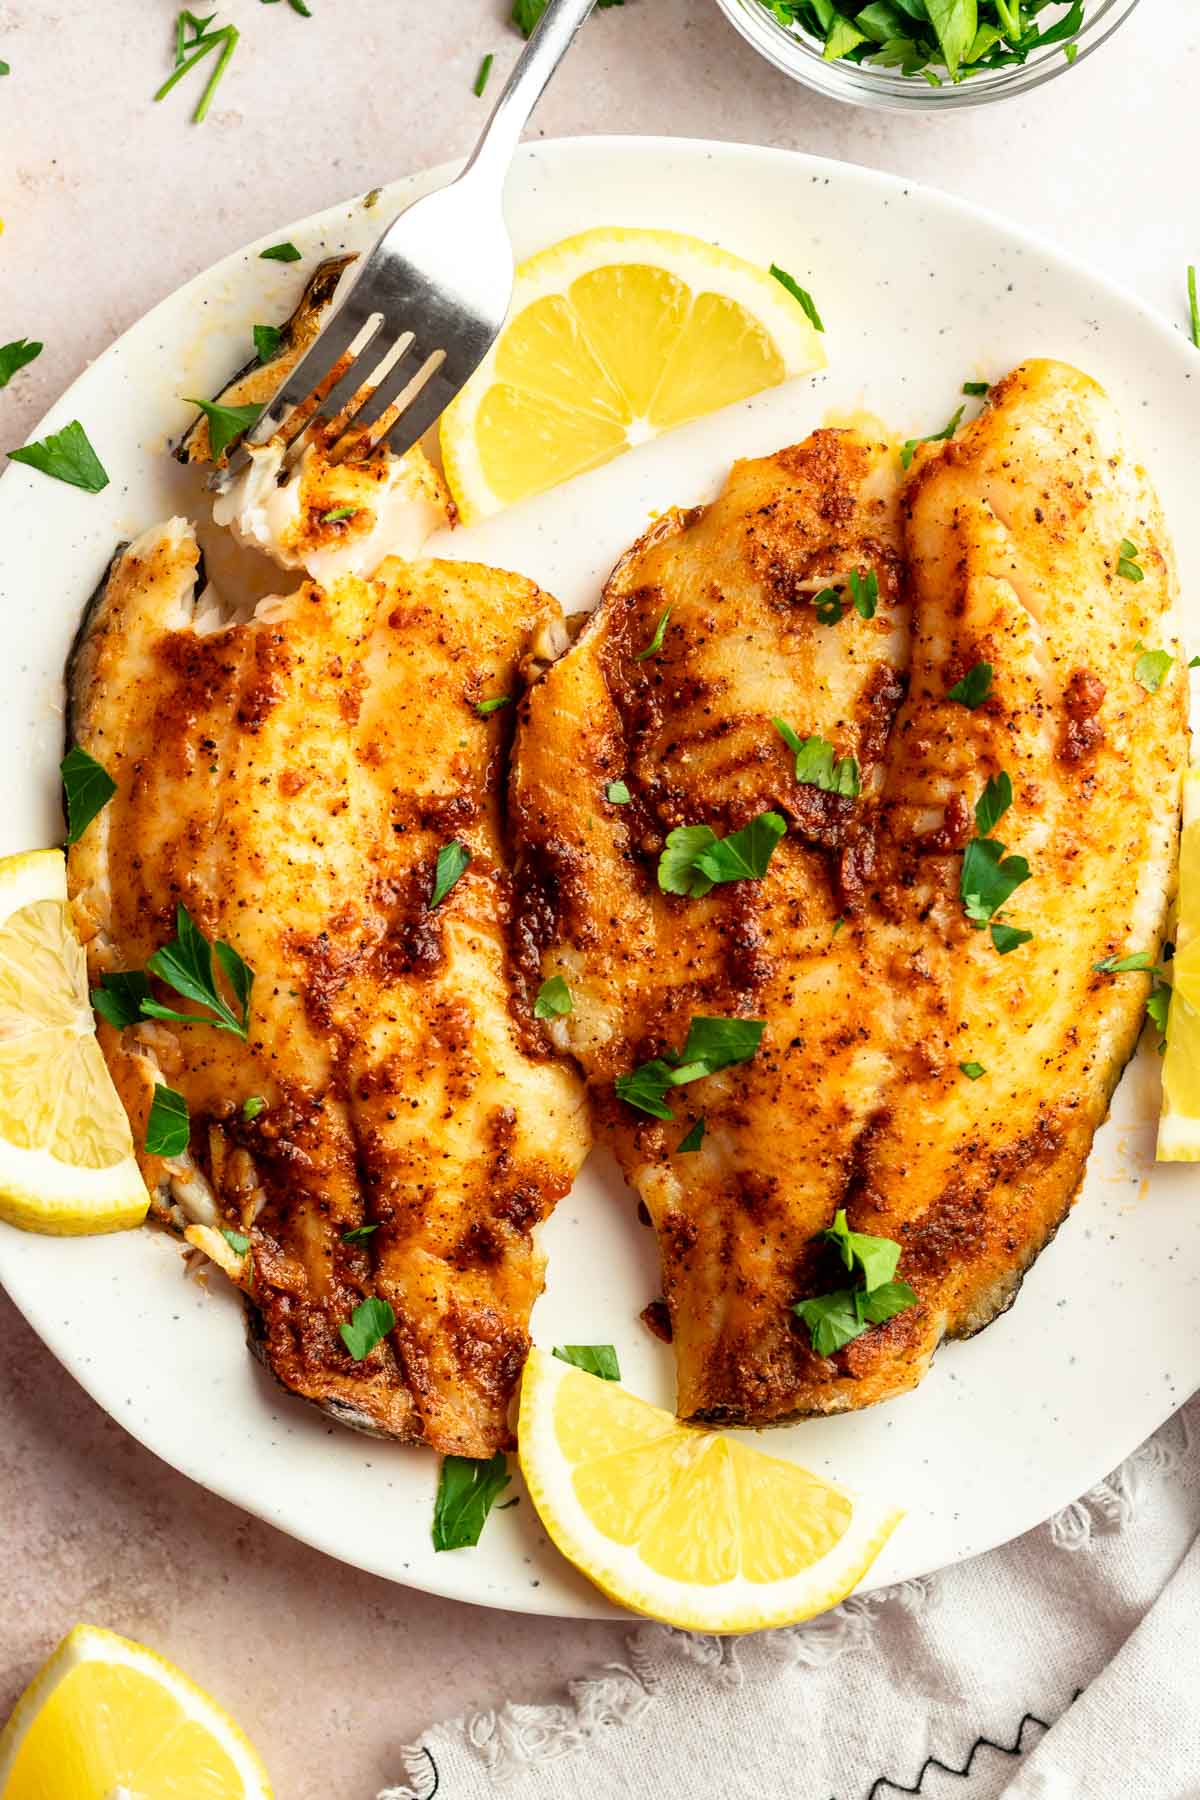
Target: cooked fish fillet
x,y
1008,550
290,778
329,517
689,731
1013,534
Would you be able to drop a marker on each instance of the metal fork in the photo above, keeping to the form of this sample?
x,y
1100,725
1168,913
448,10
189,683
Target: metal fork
x,y
429,300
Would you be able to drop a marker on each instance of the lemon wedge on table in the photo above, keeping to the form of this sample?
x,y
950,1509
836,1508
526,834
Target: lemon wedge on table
x,y
106,1717
684,1524
613,337
1179,1125
66,1154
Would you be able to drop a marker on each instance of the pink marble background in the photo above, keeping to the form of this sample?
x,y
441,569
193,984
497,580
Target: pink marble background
x,y
109,202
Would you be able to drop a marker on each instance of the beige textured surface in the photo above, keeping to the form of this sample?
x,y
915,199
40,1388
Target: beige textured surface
x,y
108,203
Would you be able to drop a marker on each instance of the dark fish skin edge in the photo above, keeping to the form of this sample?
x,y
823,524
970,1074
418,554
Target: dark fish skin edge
x,y
83,630
349,1417
318,292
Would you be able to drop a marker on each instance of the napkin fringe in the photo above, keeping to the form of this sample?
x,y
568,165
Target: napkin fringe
x,y
1115,1502
513,1738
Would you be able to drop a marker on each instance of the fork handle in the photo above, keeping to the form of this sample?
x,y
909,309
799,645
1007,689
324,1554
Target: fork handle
x,y
523,89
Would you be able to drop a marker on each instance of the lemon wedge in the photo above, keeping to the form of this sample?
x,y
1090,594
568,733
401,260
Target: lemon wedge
x,y
1179,1124
106,1717
683,1524
66,1155
613,337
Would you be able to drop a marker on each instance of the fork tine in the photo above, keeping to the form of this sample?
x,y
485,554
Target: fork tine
x,y
354,378
314,367
425,407
385,391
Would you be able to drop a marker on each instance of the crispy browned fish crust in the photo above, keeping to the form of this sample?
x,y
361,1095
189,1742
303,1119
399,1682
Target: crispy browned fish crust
x,y
1009,537
291,779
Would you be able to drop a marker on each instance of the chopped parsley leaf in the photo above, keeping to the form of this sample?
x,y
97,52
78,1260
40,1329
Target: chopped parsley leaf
x,y
656,642
225,423
816,765
236,1240
1127,564
119,997
1008,937
252,1105
593,1359
452,862
864,592
1150,669
828,606
336,513
87,786
553,999
874,1257
993,803
712,1044
617,794
468,1488
267,339
972,1070
368,1325
799,293
692,1139
974,687
285,252
695,859
168,1127
1139,961
485,708
358,1234
14,356
65,455
934,437
975,390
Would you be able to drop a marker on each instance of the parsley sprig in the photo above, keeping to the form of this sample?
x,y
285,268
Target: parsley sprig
x,y
836,1319
185,964
927,37
712,1044
193,42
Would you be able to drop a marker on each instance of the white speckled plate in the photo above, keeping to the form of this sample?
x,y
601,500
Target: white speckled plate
x,y
919,292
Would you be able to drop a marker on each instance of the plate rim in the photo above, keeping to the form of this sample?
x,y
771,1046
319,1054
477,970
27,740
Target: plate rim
x,y
226,1481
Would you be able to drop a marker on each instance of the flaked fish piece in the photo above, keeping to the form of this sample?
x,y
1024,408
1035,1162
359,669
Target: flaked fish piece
x,y
688,729
290,778
327,516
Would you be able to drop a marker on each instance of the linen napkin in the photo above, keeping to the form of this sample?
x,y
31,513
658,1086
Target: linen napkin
x,y
1064,1665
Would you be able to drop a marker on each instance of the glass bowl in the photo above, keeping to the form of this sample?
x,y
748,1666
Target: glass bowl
x,y
865,84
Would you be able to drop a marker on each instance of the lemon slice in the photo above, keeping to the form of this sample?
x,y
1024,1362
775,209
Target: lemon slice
x,y
66,1155
1179,1125
683,1524
613,337
105,1717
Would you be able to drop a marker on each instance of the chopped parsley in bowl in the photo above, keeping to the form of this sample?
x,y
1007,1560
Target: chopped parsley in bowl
x,y
925,52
